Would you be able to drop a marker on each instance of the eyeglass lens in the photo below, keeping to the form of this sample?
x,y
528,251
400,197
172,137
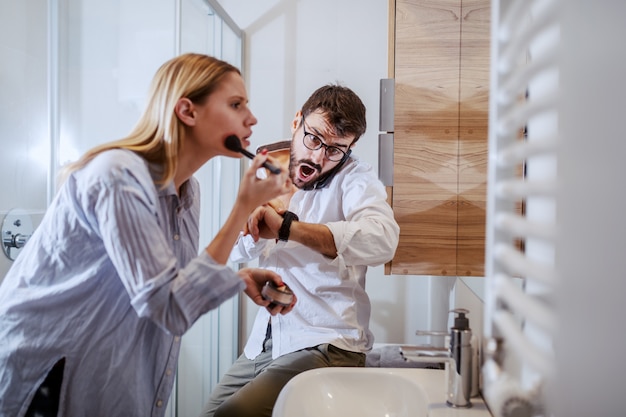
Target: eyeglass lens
x,y
314,143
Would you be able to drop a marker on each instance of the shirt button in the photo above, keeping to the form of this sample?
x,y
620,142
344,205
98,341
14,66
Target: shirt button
x,y
168,372
159,403
176,237
177,339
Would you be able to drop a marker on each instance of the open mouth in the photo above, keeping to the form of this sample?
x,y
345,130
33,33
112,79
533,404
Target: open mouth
x,y
306,172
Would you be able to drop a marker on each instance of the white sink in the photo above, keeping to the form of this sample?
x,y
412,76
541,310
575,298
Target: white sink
x,y
370,392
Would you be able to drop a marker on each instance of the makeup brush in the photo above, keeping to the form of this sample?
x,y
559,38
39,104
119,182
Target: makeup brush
x,y
234,144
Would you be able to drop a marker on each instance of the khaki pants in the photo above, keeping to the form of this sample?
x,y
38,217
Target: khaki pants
x,y
251,387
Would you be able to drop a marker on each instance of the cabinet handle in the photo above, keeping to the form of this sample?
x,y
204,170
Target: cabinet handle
x,y
385,158
387,109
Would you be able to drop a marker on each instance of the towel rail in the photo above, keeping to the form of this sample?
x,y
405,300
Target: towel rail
x,y
521,200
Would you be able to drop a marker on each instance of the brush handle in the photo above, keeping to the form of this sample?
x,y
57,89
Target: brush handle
x,y
234,144
271,168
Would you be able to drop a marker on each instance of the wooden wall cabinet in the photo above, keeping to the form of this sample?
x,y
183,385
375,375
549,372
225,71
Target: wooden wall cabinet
x,y
439,57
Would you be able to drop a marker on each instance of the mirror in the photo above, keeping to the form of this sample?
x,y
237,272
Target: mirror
x,y
477,285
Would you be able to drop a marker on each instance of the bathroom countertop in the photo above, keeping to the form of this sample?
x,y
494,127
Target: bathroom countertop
x,y
433,383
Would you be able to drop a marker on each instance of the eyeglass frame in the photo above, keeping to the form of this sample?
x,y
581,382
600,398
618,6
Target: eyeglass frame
x,y
322,144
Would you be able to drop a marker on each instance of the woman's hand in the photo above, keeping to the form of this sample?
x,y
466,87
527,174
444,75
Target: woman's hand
x,y
255,279
255,191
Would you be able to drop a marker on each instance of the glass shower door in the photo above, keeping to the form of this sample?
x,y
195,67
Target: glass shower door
x,y
24,100
75,74
211,345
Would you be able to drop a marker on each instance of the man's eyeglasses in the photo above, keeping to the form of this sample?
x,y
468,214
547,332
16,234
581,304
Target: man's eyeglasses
x,y
314,143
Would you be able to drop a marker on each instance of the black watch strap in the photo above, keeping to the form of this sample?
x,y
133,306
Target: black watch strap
x,y
285,227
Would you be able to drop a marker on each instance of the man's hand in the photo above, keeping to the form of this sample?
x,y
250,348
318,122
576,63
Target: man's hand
x,y
255,279
264,222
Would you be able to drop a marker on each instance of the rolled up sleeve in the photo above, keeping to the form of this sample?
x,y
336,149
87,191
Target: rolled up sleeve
x,y
369,234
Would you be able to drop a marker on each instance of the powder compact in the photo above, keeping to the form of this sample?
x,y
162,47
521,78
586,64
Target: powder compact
x,y
277,295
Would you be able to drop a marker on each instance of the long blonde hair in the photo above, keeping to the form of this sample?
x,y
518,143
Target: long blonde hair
x,y
159,135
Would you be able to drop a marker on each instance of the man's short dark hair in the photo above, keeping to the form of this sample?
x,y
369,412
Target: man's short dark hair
x,y
341,107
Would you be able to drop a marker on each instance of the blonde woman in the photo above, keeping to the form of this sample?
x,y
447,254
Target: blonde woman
x,y
92,311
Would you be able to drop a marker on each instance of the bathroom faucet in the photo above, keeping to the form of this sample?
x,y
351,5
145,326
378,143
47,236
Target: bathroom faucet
x,y
457,358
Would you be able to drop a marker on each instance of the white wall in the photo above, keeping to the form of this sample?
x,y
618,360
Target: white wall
x,y
590,341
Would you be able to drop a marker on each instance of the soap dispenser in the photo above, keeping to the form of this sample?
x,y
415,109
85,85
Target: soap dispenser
x,y
460,381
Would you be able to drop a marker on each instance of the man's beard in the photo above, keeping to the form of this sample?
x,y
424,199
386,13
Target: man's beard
x,y
304,169
314,182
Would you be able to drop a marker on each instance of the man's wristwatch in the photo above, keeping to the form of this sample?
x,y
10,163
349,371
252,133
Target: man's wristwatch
x,y
283,232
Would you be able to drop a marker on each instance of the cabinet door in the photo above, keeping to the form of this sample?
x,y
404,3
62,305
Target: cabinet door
x,y
440,138
473,136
